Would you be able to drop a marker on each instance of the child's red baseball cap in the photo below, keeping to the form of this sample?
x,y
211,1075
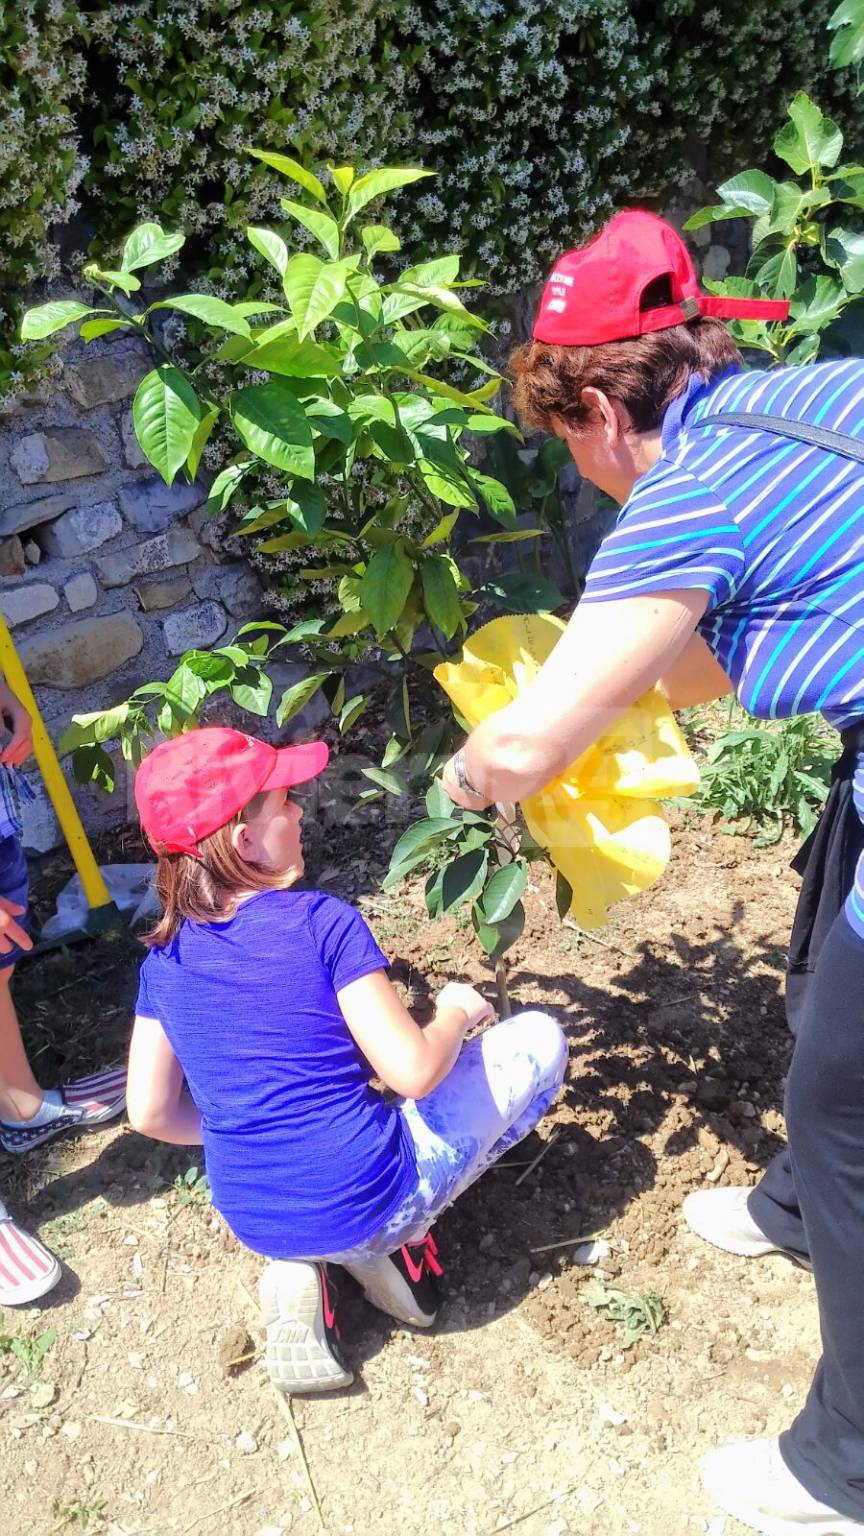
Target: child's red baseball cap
x,y
190,786
594,294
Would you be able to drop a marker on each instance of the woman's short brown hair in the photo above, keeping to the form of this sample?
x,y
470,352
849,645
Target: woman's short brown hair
x,y
643,373
208,890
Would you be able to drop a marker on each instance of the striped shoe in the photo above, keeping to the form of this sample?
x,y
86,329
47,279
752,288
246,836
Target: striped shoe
x,y
87,1102
27,1269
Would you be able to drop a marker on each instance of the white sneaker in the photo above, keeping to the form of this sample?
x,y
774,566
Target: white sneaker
x,y
27,1269
721,1217
752,1482
404,1284
302,1337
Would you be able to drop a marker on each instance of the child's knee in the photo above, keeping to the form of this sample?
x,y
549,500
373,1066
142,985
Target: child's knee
x,y
546,1041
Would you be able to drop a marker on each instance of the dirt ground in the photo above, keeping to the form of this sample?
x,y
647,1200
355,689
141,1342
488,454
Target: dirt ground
x,y
521,1410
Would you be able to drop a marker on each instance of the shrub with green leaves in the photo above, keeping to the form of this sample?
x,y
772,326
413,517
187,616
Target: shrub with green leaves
x,y
342,423
42,73
541,120
807,241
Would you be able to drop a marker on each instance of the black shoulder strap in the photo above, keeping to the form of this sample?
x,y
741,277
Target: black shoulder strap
x,y
803,431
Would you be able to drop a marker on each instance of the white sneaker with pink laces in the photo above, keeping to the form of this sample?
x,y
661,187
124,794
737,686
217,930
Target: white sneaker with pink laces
x,y
27,1269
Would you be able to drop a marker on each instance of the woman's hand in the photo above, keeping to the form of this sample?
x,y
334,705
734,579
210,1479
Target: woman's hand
x,y
457,994
18,748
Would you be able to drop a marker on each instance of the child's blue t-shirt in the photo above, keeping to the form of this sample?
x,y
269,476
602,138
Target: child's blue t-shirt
x,y
304,1157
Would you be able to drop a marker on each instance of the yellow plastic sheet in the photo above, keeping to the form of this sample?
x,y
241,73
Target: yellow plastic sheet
x,y
600,821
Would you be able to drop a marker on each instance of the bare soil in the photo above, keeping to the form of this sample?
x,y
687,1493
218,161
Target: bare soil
x,y
521,1410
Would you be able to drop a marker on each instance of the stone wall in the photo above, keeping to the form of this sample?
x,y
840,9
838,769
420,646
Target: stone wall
x,y
106,574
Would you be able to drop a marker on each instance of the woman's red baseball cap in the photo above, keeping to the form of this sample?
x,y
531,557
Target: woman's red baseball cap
x,y
594,294
190,786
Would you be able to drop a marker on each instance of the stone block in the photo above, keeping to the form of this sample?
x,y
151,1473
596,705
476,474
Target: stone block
x,y
106,378
82,529
132,451
235,586
715,263
22,603
163,594
64,453
81,652
28,514
80,591
167,549
41,829
150,505
193,629
32,552
12,560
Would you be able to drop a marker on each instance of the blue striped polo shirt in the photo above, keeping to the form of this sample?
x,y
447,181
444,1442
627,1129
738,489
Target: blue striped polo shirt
x,y
773,530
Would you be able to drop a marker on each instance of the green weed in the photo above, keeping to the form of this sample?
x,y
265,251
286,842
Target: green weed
x,y
87,1517
637,1315
769,776
192,1187
29,1352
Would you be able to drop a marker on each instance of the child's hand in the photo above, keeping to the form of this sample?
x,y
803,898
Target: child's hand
x,y
11,933
457,994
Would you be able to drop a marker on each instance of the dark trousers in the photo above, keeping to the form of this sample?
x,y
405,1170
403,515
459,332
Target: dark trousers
x,y
811,1198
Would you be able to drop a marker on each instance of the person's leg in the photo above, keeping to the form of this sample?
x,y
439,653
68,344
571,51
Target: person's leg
x,y
20,1094
501,1084
824,1449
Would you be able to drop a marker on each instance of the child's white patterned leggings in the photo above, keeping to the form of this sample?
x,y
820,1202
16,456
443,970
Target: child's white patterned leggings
x,y
500,1086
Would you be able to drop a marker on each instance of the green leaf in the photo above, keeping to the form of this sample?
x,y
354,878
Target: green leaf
x,y
440,595
463,879
313,288
779,273
386,780
270,245
377,237
225,486
307,507
328,418
524,592
125,281
92,329
809,140
844,248
351,711
438,802
751,191
563,895
503,890
209,418
343,177
432,274
484,425
516,536
496,496
816,303
293,170
321,225
442,530
148,244
45,319
385,586
272,423
253,694
497,938
206,307
439,387
452,491
376,183
298,695
443,298
166,413
292,358
422,837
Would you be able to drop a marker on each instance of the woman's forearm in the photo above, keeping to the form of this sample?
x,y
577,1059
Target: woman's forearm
x,y
609,655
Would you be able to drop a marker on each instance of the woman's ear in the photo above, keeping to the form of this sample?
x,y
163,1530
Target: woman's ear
x,y
604,413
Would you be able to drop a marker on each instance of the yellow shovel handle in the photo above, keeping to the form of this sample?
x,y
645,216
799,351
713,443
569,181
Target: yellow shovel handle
x,y
95,888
